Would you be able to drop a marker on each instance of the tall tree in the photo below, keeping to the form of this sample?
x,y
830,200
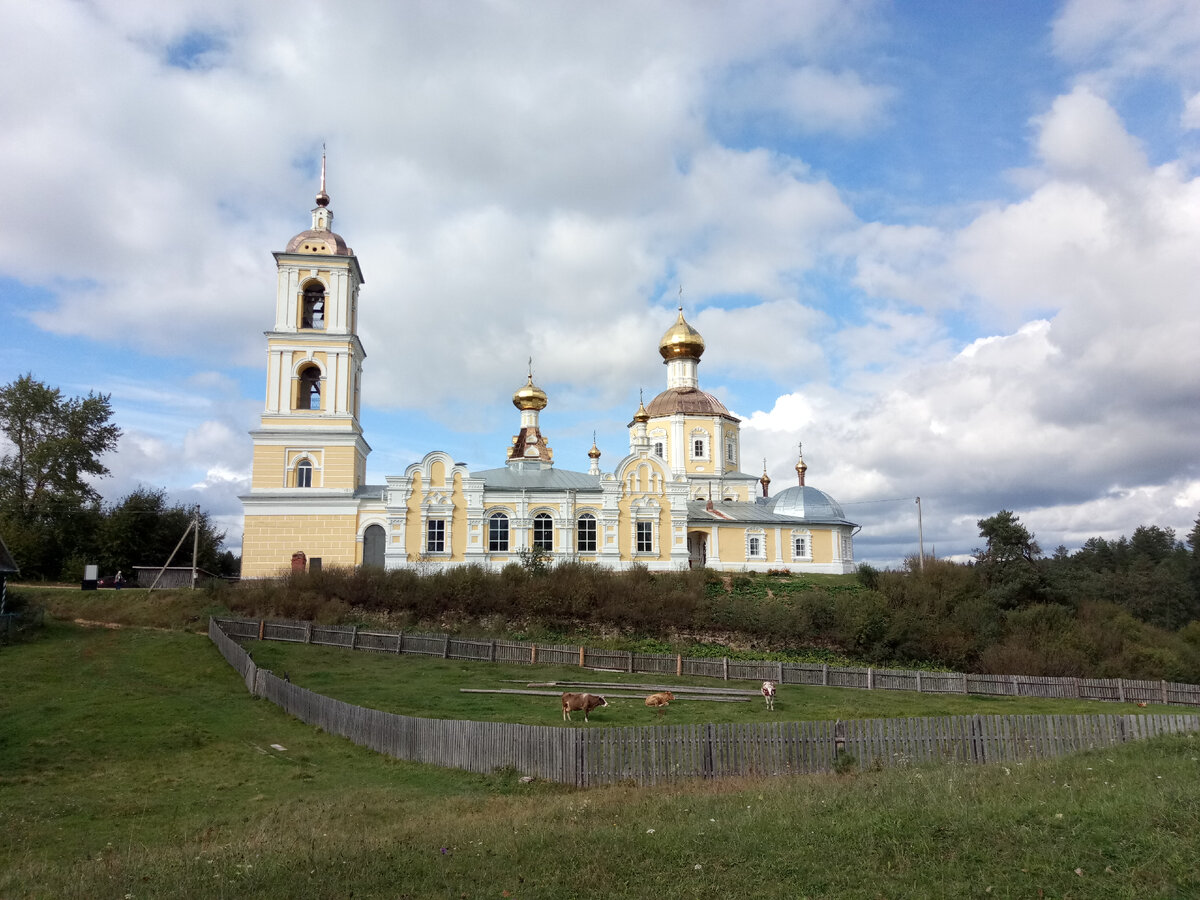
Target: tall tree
x,y
57,444
48,506
1008,562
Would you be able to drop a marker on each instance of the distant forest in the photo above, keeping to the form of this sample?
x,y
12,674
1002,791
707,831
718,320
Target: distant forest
x,y
1125,608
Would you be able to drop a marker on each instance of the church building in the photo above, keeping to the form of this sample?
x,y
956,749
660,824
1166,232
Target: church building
x,y
678,499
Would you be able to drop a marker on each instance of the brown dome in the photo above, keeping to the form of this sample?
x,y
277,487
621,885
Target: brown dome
x,y
314,241
691,401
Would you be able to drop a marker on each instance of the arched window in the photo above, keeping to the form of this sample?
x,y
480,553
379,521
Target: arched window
x,y
309,394
658,449
304,470
543,532
373,546
312,311
587,533
498,533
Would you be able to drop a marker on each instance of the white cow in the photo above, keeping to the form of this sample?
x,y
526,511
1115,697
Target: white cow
x,y
768,692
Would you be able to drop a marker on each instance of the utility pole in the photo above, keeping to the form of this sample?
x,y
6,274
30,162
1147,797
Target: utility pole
x,y
195,541
920,537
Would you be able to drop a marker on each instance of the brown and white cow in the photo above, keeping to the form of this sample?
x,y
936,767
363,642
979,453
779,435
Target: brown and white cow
x,y
768,692
586,702
660,700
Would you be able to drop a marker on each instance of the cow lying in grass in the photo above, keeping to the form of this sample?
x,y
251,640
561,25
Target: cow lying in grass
x,y
768,692
660,700
586,702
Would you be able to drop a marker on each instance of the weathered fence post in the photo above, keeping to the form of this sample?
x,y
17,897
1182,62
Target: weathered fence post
x,y
779,672
725,667
678,663
1164,692
446,647
400,642
492,652
262,625
1074,683
870,679
581,657
1012,684
964,683
533,653
839,737
629,661
308,632
825,674
918,681
353,636
1120,691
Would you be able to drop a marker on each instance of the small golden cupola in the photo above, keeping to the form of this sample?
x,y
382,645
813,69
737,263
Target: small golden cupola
x,y
529,444
641,415
594,456
801,468
765,481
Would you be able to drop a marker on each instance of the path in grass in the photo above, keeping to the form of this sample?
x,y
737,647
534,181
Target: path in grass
x,y
135,764
430,687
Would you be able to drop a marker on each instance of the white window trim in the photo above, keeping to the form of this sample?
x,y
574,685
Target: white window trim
x,y
653,551
508,531
806,535
761,536
447,541
595,530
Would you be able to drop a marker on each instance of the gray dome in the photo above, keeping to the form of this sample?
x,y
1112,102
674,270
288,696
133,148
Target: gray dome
x,y
809,503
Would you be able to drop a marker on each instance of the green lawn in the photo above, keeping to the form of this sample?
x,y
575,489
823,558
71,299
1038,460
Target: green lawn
x,y
430,687
134,764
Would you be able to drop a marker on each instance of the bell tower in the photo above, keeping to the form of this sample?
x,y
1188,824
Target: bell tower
x,y
310,439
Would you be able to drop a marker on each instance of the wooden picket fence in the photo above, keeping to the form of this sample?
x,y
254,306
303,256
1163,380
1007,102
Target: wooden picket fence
x,y
653,754
1120,690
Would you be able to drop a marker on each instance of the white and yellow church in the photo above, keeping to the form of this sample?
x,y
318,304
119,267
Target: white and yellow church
x,y
678,499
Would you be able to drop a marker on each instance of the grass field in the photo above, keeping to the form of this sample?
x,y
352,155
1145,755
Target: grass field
x,y
134,764
430,687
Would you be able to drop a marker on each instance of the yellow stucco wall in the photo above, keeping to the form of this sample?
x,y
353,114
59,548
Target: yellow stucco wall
x,y
270,541
822,546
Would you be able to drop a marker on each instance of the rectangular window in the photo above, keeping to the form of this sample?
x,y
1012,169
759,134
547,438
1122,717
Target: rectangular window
x,y
698,448
435,536
543,532
658,449
498,534
587,534
729,452
645,537
752,546
800,547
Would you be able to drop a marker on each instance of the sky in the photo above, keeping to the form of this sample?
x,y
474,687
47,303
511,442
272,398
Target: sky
x,y
953,247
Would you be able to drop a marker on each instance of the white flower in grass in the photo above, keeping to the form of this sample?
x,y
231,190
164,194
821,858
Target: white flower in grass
x,y
697,867
649,831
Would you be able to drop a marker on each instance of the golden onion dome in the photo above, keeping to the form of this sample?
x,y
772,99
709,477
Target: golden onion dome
x,y
529,396
681,340
641,415
594,453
